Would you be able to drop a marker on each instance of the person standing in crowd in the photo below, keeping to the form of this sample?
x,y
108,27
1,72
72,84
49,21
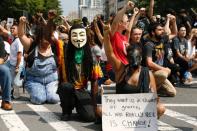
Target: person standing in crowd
x,y
183,19
143,20
144,17
118,40
41,79
85,22
131,78
153,56
79,65
16,62
5,80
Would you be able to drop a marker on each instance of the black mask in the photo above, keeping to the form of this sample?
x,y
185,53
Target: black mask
x,y
134,58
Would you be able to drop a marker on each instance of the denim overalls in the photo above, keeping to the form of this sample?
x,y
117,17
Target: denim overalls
x,y
42,80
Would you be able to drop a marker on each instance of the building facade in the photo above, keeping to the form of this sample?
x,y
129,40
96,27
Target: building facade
x,y
112,6
90,8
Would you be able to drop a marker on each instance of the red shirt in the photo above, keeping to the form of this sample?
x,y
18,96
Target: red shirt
x,y
119,42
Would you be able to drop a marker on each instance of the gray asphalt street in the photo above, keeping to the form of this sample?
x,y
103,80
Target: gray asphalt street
x,y
181,115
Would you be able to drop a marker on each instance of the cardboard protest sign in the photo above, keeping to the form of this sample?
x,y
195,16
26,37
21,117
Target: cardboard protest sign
x,y
129,112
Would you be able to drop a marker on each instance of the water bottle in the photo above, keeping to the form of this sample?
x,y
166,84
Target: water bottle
x,y
89,86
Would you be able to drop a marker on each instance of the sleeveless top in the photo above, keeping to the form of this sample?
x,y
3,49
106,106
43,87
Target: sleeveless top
x,y
31,53
143,83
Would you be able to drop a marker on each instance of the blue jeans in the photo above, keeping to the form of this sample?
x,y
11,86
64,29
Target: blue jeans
x,y
40,93
16,80
5,82
41,80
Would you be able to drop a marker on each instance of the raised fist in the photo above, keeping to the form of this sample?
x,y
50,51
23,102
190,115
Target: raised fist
x,y
172,18
106,29
130,5
22,20
168,16
135,10
64,18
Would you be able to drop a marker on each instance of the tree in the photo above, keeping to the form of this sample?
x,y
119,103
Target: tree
x,y
162,6
16,8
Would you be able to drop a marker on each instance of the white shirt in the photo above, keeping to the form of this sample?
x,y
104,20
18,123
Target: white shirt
x,y
96,51
7,47
16,47
191,49
103,55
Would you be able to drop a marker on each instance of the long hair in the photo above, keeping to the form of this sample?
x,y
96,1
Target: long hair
x,y
87,62
44,31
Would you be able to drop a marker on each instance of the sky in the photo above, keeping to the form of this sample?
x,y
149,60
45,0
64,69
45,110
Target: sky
x,y
69,5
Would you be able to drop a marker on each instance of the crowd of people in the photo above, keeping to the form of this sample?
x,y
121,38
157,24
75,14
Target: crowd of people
x,y
141,53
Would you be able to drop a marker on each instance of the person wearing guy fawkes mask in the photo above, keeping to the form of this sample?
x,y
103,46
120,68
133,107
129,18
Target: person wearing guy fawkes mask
x,y
131,78
79,65
153,56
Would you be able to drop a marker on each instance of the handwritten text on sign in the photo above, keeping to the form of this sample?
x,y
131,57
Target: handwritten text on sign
x,y
129,112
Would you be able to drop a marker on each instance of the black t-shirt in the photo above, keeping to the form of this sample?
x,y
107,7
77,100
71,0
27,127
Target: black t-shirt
x,y
168,51
180,45
2,50
155,50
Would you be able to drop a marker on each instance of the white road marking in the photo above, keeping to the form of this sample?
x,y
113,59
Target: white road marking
x,y
51,118
12,121
169,105
183,117
181,105
166,127
26,102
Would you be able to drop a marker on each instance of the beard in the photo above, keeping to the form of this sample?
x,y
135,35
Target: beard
x,y
159,37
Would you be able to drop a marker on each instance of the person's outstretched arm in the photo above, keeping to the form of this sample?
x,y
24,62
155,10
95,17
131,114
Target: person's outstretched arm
x,y
98,32
131,22
174,27
151,9
21,34
3,31
119,16
109,50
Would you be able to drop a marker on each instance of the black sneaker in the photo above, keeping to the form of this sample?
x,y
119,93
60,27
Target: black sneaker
x,y
65,117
